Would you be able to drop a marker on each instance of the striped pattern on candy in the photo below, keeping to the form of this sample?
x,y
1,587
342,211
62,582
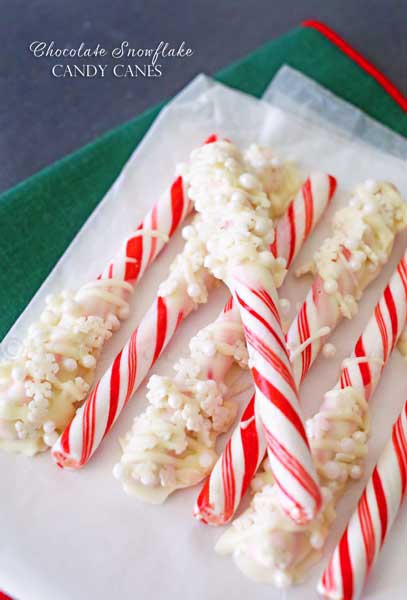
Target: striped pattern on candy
x,y
224,487
369,526
214,360
142,247
302,214
157,227
276,392
337,436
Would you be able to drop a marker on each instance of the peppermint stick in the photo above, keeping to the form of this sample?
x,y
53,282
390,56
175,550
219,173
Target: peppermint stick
x,y
237,232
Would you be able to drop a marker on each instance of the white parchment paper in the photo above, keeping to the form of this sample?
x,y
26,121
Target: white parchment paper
x,y
76,536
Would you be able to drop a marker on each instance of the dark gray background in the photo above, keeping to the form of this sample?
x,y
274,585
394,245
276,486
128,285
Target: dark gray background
x,y
43,118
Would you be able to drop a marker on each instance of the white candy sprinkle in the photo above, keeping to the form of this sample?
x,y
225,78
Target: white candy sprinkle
x,y
118,471
194,290
50,438
209,348
330,286
18,373
70,364
328,350
49,426
88,361
248,181
285,305
123,313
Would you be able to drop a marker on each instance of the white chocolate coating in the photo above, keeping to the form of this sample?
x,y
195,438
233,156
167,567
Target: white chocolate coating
x,y
54,369
363,236
172,444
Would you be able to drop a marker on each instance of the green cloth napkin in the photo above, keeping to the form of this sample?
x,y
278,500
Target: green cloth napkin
x,y
40,216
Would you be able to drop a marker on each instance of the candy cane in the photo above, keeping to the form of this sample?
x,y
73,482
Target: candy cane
x,y
237,231
276,393
370,524
144,469
338,439
317,318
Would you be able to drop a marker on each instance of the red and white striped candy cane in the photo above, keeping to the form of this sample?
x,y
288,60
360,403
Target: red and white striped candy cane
x,y
363,538
230,478
157,227
303,213
276,392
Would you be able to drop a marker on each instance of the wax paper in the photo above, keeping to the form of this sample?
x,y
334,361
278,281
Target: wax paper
x,y
76,535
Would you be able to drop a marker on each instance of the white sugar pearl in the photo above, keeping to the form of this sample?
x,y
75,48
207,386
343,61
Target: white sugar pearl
x,y
351,243
88,361
328,350
209,348
19,426
231,163
248,181
285,305
330,286
188,232
69,306
174,401
369,209
260,225
355,265
123,312
18,373
70,364
16,392
333,470
118,471
50,438
205,460
356,472
370,185
114,322
238,198
282,579
317,540
348,445
194,290
49,426
49,318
